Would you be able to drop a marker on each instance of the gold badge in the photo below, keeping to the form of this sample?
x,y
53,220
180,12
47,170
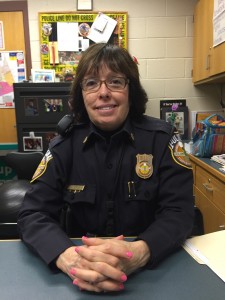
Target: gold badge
x,y
144,168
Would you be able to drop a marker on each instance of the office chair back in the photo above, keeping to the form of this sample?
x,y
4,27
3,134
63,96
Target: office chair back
x,y
12,192
23,163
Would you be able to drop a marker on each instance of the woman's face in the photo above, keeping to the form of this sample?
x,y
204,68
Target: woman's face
x,y
106,109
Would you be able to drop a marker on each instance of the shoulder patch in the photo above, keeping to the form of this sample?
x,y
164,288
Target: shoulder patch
x,y
178,152
42,166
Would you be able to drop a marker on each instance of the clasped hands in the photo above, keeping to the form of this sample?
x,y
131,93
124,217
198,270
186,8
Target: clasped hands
x,y
102,265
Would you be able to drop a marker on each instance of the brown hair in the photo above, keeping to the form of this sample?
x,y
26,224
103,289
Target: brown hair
x,y
116,59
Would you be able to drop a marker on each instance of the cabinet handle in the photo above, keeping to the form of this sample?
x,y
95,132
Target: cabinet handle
x,y
222,227
207,62
208,188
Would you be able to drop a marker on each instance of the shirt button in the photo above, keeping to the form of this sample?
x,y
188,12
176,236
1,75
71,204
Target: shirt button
x,y
109,166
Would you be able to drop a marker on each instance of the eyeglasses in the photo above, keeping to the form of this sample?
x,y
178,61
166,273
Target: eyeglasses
x,y
113,84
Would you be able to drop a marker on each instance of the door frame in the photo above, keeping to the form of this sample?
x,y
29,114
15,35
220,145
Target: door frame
x,y
12,6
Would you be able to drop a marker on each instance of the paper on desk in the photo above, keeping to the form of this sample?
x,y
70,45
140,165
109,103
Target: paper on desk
x,y
209,249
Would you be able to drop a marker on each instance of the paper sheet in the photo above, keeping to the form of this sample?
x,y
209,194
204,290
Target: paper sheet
x,y
209,249
102,28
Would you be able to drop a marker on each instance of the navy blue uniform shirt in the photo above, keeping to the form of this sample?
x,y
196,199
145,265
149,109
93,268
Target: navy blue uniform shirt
x,y
136,182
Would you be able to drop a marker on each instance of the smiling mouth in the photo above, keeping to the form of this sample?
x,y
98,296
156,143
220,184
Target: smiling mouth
x,y
106,107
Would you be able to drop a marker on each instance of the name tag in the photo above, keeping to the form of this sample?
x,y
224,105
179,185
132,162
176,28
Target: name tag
x,y
76,188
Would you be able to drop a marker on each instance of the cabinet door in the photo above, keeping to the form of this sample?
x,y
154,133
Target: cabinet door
x,y
218,61
8,132
12,23
202,40
213,218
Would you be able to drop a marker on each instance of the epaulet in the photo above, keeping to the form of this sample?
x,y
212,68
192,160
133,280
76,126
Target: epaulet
x,y
154,124
55,141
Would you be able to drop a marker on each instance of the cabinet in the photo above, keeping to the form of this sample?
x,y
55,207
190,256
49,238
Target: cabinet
x,y
209,191
208,61
202,40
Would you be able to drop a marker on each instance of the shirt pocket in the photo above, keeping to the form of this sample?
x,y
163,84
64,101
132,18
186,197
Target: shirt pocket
x,y
138,210
141,190
82,210
85,196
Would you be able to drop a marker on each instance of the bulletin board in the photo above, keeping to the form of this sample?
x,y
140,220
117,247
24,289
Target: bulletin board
x,y
64,36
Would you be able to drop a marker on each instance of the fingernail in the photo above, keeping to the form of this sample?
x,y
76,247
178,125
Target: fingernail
x,y
129,254
75,282
84,237
77,249
123,278
72,271
121,286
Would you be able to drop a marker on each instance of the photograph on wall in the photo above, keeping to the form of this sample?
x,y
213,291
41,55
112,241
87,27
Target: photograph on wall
x,y
53,105
178,122
41,75
31,107
178,118
32,143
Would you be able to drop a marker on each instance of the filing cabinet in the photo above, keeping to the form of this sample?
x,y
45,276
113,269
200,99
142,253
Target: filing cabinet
x,y
209,191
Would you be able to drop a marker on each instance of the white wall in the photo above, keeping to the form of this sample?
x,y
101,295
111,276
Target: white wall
x,y
160,35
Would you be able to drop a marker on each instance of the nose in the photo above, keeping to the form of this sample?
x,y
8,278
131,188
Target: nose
x,y
103,91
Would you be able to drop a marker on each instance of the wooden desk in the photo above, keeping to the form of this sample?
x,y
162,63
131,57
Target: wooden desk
x,y
24,276
209,191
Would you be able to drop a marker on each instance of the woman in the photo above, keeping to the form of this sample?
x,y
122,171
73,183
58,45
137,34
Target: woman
x,y
118,172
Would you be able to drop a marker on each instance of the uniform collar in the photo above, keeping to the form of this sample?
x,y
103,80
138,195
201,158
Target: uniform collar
x,y
126,131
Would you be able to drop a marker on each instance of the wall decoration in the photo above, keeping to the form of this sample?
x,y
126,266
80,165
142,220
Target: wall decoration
x,y
181,119
42,75
12,69
32,143
64,36
31,107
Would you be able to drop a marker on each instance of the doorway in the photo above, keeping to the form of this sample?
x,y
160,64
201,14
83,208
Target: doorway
x,y
14,17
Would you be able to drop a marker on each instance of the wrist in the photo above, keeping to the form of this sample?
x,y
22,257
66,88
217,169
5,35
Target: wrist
x,y
143,252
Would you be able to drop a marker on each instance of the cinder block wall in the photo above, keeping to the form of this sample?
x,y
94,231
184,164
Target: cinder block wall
x,y
160,35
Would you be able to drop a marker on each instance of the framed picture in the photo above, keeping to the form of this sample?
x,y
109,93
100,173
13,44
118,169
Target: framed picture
x,y
84,5
181,119
42,75
31,107
32,143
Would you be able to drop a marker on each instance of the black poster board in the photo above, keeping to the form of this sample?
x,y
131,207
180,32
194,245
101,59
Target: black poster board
x,y
39,107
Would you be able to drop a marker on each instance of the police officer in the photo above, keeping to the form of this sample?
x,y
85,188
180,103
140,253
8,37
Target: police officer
x,y
112,172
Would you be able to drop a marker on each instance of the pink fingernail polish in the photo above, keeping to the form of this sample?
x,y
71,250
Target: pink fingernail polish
x,y
72,271
77,249
123,278
84,237
75,282
129,254
121,286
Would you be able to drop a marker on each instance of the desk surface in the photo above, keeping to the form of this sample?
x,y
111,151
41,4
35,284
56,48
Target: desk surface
x,y
24,276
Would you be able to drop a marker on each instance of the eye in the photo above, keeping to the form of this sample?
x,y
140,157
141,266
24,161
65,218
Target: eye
x,y
117,81
91,82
